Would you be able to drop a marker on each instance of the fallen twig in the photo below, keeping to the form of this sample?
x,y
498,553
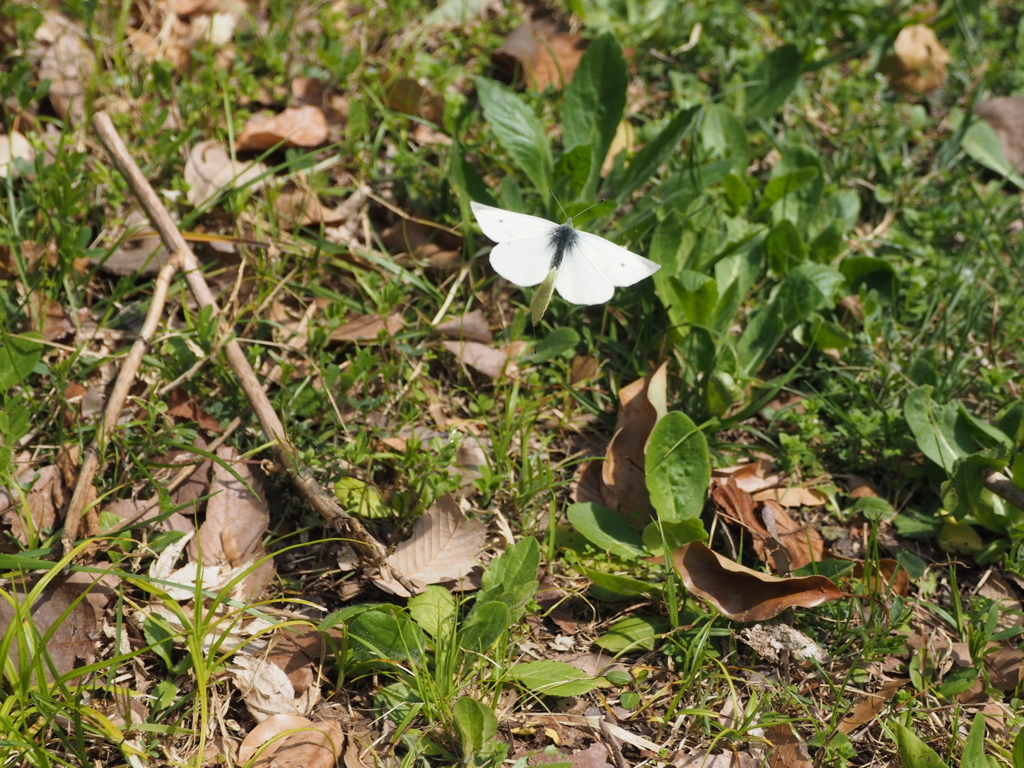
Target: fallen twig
x,y
183,258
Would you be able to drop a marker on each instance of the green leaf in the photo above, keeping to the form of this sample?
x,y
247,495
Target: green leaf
x,y
518,130
914,753
553,678
560,341
594,102
974,747
939,431
512,577
786,249
644,165
723,136
634,633
158,634
606,529
18,356
384,635
678,468
965,493
359,498
619,584
664,536
1018,750
774,79
795,189
982,144
486,623
434,610
475,724
872,274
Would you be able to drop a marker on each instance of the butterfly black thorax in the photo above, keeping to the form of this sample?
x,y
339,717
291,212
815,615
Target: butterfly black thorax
x,y
563,240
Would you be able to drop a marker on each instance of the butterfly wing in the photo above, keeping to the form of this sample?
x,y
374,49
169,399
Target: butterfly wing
x,y
523,262
504,226
620,266
580,279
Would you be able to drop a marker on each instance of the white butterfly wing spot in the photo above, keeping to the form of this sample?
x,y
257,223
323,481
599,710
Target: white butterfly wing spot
x,y
523,262
622,267
504,226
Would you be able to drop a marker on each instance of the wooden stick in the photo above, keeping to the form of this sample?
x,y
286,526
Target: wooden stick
x,y
324,503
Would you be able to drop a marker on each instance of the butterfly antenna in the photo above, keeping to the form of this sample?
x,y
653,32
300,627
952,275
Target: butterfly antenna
x,y
569,218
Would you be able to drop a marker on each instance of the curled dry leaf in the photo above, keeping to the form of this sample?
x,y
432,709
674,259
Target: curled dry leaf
x,y
73,637
267,690
291,740
871,706
773,641
14,147
368,327
492,363
743,594
803,545
209,171
304,126
236,519
444,546
472,326
1005,116
544,51
623,478
793,496
298,206
139,252
919,63
45,496
68,64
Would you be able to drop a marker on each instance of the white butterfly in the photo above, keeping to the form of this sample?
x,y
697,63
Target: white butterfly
x,y
583,268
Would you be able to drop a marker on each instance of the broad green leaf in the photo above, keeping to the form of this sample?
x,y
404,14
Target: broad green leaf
x,y
697,294
518,130
553,678
606,529
571,173
785,247
457,12
512,577
467,179
723,136
939,431
914,753
774,79
634,633
384,635
18,356
643,167
662,536
434,610
965,493
982,144
1018,750
594,102
486,623
678,468
974,747
622,585
800,177
560,341
475,724
359,498
871,273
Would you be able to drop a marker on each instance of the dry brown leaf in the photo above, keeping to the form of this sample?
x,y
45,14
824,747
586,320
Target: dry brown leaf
x,y
209,171
232,534
1005,668
641,404
44,502
74,637
267,690
868,708
294,127
719,760
492,363
139,252
68,64
472,326
919,63
793,497
441,250
887,577
594,756
411,98
544,51
584,368
49,318
290,740
803,545
787,751
368,327
743,594
186,407
444,546
1005,116
298,206
14,147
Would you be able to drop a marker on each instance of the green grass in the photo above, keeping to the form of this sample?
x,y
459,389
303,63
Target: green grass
x,y
766,197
